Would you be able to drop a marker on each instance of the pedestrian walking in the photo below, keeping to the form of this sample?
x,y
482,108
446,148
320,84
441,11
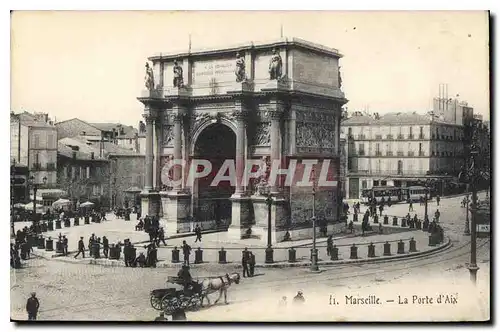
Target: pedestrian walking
x,y
381,209
81,248
252,264
438,199
244,262
32,306
197,231
65,245
161,237
105,246
437,215
410,207
329,245
186,251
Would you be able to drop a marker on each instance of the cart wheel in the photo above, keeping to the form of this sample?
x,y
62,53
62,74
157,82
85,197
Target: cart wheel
x,y
156,302
169,305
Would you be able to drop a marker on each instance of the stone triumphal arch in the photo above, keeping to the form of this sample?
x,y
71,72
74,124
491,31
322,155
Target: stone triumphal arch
x,y
277,101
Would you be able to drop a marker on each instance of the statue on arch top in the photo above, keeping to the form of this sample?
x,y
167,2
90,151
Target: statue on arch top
x,y
340,78
149,80
178,79
240,68
275,65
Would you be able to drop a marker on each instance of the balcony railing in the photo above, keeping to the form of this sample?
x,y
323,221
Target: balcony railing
x,y
410,136
421,136
389,136
388,153
411,154
361,152
378,136
51,166
361,136
37,166
400,153
421,153
400,136
378,153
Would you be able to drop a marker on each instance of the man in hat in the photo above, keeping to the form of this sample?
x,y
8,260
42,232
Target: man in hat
x,y
81,248
245,258
299,298
185,275
105,246
186,251
32,306
65,245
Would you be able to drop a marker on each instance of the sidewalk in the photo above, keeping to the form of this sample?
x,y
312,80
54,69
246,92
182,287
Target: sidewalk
x,y
211,248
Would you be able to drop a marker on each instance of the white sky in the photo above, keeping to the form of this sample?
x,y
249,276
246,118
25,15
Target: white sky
x,y
90,65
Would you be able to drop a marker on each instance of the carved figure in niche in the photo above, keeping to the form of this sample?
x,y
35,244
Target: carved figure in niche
x,y
263,134
261,182
168,176
178,79
149,81
340,78
275,65
240,68
169,136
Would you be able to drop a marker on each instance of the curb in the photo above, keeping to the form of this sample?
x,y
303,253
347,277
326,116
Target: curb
x,y
121,263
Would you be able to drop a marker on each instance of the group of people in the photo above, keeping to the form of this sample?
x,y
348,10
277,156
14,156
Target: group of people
x,y
24,242
297,299
131,258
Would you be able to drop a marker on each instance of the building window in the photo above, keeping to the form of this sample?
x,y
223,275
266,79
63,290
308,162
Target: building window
x,y
400,167
375,183
421,136
377,149
411,133
363,184
420,150
68,172
36,141
383,183
349,131
130,141
362,149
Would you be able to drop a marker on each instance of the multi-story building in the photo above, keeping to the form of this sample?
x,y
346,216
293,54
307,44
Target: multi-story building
x,y
82,172
126,137
343,164
34,145
401,149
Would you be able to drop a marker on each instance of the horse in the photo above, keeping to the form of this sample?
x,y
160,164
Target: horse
x,y
221,284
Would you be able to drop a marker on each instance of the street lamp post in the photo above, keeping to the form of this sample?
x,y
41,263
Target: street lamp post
x,y
269,249
314,254
467,229
473,265
35,189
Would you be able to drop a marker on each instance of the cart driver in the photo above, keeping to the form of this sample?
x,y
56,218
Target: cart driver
x,y
185,276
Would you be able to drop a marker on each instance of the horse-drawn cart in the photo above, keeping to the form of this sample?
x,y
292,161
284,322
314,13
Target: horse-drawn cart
x,y
173,298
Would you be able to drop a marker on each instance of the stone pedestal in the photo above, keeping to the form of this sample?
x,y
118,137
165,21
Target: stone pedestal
x,y
150,203
240,87
176,211
240,217
178,91
278,218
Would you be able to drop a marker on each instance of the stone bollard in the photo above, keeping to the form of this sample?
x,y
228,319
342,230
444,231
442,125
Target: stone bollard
x,y
76,222
403,222
50,226
418,224
58,224
334,253
432,242
49,244
413,245
175,255
425,226
41,243
387,249
317,257
67,223
198,256
354,252
386,220
87,220
371,250
401,247
222,256
59,247
292,255
375,219
394,221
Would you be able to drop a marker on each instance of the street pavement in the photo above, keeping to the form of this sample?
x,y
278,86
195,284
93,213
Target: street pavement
x,y
93,292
